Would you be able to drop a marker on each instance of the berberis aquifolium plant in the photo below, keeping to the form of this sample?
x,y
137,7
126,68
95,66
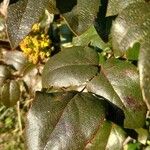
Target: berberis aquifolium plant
x,y
96,93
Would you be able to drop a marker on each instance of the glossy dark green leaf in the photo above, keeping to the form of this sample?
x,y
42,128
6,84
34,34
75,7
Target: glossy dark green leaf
x,y
109,136
89,37
118,82
10,93
129,27
22,15
82,15
70,69
4,74
64,121
116,6
144,69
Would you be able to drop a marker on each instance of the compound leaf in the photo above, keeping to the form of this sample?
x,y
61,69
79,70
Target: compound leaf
x,y
63,120
118,82
77,69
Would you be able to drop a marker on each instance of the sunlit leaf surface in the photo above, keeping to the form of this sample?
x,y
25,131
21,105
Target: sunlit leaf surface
x,y
130,27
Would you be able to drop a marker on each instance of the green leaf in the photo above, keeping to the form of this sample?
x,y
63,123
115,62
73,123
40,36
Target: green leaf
x,y
90,37
133,52
144,70
116,138
10,93
70,69
102,58
118,82
64,120
82,15
116,6
129,27
109,136
4,74
142,135
133,146
22,15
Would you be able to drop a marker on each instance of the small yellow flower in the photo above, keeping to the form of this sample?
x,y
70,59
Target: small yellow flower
x,y
42,55
36,46
36,27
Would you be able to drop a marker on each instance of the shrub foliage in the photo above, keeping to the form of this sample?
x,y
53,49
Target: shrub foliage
x,y
95,93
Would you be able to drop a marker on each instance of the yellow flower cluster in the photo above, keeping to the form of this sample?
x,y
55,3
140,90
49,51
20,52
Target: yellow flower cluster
x,y
36,46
